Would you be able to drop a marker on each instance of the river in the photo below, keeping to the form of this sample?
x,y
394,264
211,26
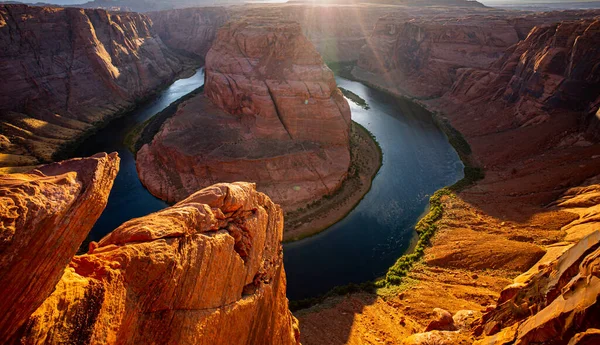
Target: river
x,y
417,160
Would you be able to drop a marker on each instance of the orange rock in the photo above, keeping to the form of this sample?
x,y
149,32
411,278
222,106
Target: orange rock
x,y
208,270
553,304
44,217
272,114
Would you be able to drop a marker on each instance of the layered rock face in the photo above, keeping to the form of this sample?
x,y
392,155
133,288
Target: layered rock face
x,y
542,94
190,30
556,302
208,270
44,217
530,122
419,54
337,31
65,70
271,114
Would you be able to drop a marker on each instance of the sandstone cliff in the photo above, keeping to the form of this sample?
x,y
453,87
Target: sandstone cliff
x,y
44,217
66,70
418,54
208,270
337,31
190,30
271,114
530,122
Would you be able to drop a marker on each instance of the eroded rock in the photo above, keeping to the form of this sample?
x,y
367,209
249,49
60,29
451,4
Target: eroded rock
x,y
271,114
44,217
177,276
64,70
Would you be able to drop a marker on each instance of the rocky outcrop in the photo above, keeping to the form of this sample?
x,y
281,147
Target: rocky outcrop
x,y
338,31
556,302
190,30
44,217
271,114
66,70
208,270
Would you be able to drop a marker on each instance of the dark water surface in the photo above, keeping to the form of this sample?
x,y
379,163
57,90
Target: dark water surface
x,y
417,160
128,198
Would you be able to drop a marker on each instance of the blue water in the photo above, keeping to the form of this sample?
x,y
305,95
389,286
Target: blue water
x,y
417,161
128,198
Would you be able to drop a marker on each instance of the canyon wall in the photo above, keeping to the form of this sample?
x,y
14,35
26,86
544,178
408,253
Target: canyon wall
x,y
65,70
419,54
271,114
44,217
190,30
338,32
208,270
530,120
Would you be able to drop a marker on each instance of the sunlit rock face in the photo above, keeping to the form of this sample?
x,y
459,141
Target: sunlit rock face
x,y
208,270
419,56
65,70
44,217
556,302
271,114
555,67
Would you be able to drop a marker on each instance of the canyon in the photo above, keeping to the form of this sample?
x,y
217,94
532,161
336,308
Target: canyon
x,y
270,112
221,247
515,254
66,70
532,216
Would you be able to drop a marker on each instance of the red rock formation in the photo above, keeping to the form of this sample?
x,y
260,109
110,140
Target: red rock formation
x,y
553,303
208,270
44,217
65,70
543,94
418,54
272,114
191,30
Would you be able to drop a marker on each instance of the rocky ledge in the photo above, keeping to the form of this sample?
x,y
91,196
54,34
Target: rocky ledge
x,y
45,215
271,113
207,270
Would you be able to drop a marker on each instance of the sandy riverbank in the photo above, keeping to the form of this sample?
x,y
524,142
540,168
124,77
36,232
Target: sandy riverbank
x,y
366,158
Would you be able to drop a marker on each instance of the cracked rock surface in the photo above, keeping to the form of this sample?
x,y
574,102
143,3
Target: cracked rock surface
x,y
208,270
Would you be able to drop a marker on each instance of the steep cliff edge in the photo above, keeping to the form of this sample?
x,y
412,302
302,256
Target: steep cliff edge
x,y
271,114
64,70
208,270
44,217
530,123
337,31
420,54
